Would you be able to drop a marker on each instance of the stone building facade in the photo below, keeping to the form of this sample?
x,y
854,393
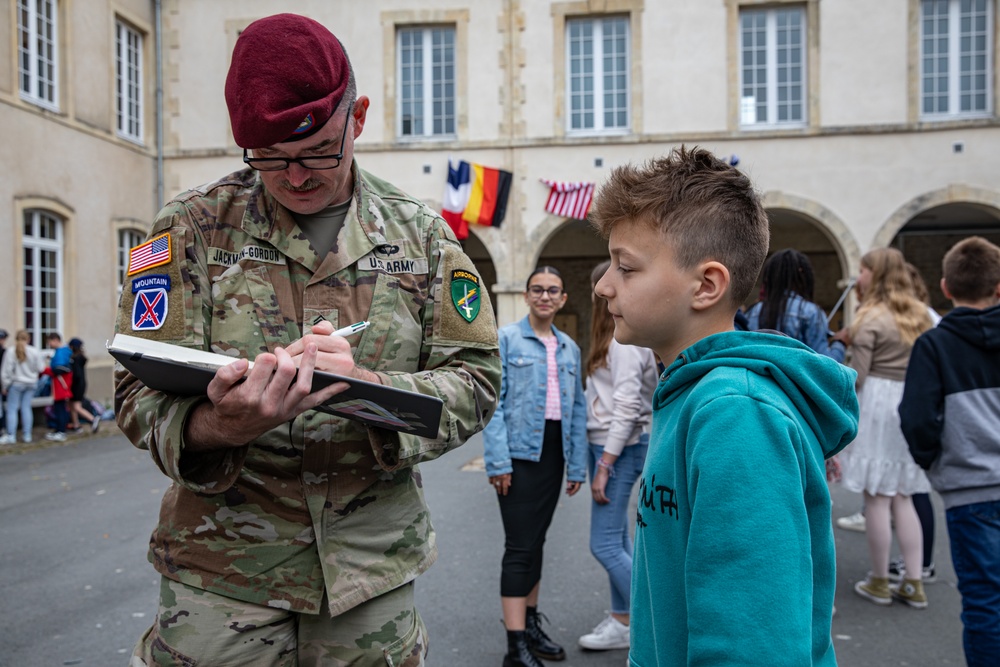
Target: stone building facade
x,y
863,124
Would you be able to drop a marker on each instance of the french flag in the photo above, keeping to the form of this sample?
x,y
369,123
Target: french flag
x,y
456,197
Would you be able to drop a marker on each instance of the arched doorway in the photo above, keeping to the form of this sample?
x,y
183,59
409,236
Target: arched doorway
x,y
480,256
574,249
928,235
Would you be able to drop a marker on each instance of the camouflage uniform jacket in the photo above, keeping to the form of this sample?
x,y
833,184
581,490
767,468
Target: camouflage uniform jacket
x,y
320,504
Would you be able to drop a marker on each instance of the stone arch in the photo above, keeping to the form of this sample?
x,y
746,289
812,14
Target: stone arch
x,y
952,194
488,252
827,222
544,232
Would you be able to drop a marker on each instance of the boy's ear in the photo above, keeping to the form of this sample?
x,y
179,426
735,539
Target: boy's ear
x,y
713,285
944,290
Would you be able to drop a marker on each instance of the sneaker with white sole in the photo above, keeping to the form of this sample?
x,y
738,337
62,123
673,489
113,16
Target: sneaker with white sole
x,y
855,522
7,439
96,424
874,589
911,593
56,436
897,572
609,634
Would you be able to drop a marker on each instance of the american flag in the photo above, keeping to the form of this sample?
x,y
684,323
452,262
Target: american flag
x,y
151,253
570,200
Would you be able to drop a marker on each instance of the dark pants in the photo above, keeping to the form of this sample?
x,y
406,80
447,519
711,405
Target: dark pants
x,y
60,411
527,511
974,531
925,512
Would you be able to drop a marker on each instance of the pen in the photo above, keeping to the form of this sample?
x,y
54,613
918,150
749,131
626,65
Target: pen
x,y
354,328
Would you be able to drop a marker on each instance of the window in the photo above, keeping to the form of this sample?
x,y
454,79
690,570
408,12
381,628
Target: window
x,y
956,57
43,248
128,81
772,66
36,52
426,81
597,55
127,239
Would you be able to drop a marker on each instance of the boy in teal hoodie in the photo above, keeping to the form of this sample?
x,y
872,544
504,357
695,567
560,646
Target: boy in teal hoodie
x,y
734,558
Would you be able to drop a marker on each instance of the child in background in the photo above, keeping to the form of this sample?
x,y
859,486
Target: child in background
x,y
538,433
877,463
788,305
734,558
61,373
950,415
18,376
620,384
79,405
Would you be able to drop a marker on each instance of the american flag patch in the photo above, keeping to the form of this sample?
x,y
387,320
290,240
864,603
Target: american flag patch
x,y
154,252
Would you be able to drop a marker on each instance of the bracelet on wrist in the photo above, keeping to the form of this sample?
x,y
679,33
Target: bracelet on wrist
x,y
610,467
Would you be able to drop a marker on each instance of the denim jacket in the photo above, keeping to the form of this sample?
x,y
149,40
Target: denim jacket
x,y
517,427
805,322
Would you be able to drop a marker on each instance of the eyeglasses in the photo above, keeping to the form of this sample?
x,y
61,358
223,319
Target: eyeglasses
x,y
536,291
317,162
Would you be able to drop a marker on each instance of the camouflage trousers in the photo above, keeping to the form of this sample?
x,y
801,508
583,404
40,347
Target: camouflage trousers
x,y
194,627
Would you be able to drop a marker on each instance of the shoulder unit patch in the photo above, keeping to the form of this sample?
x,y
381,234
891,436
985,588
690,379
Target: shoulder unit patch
x,y
465,293
154,252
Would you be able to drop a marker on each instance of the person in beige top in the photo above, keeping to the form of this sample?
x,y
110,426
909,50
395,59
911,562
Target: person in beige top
x,y
878,462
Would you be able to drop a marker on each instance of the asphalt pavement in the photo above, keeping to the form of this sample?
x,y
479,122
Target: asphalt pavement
x,y
77,589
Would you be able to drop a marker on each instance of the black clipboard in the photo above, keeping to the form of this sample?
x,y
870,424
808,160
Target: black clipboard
x,y
183,371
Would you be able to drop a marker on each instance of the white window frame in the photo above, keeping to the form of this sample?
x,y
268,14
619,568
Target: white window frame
x,y
128,82
38,52
749,106
42,280
128,238
953,75
597,76
433,78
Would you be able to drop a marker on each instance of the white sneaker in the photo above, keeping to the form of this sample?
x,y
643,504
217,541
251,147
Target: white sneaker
x,y
7,439
26,439
56,436
855,522
609,633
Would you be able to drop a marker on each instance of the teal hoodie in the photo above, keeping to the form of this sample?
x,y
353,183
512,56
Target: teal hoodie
x,y
734,559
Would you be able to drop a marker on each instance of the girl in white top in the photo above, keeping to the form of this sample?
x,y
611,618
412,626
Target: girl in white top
x,y
18,377
620,384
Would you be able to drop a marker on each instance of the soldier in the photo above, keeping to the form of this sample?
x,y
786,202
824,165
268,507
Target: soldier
x,y
290,536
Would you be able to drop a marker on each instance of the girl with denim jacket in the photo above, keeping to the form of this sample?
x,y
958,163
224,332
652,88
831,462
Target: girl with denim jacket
x,y
538,430
788,307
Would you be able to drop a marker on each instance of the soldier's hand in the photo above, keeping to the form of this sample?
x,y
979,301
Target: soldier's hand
x,y
334,353
242,405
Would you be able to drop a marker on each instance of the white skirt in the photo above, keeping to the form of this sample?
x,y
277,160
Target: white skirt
x,y
878,461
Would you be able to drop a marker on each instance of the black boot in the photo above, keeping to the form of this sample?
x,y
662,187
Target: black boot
x,y
518,654
538,642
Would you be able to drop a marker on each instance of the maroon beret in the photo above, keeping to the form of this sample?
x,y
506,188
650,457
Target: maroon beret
x,y
286,79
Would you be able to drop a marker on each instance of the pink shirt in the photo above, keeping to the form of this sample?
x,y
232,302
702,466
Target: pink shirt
x,y
553,408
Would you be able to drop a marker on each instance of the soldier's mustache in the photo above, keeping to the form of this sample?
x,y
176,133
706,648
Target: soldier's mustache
x,y
305,187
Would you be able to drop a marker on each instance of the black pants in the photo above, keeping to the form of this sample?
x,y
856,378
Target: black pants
x,y
527,511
